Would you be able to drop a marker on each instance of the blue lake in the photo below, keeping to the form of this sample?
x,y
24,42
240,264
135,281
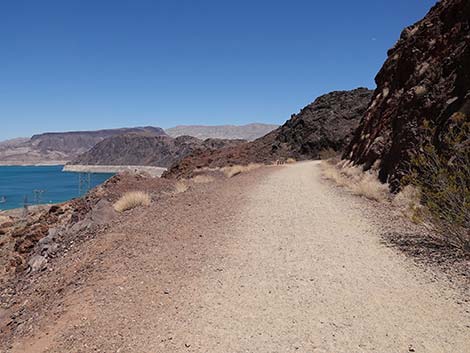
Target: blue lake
x,y
17,182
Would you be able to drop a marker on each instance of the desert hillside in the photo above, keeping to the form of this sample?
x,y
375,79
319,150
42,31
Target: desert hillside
x,y
145,150
326,124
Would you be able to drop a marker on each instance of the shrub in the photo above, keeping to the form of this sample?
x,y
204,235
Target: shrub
x,y
290,161
443,178
131,200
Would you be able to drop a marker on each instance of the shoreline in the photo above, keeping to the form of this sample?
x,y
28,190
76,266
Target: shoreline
x,y
18,211
41,164
80,168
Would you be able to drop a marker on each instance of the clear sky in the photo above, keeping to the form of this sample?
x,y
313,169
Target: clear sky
x,y
89,64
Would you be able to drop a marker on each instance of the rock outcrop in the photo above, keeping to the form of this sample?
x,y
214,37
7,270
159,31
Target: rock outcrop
x,y
327,123
145,150
424,81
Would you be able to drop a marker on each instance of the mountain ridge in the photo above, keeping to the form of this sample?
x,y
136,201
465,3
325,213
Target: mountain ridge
x,y
248,132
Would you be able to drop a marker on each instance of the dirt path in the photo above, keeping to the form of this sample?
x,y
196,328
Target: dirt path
x,y
291,265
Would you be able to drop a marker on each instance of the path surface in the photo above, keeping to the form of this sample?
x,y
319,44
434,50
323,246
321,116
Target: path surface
x,y
296,267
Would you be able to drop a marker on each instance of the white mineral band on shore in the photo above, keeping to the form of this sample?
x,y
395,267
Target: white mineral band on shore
x,y
154,171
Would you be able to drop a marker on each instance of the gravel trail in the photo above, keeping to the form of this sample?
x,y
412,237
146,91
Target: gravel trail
x,y
276,261
306,272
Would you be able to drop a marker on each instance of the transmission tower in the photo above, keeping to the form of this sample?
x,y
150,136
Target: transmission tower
x,y
25,207
84,183
38,196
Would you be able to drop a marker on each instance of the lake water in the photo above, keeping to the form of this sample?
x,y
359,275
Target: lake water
x,y
17,182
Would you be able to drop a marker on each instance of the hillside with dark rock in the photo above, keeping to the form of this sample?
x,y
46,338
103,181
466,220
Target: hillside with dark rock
x,y
423,90
327,123
147,150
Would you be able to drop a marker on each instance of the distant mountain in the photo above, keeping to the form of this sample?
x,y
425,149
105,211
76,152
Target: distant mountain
x,y
139,149
245,132
61,147
13,142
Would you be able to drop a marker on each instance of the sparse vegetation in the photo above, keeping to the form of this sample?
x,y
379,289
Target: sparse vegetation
x,y
357,181
443,178
131,200
370,187
290,161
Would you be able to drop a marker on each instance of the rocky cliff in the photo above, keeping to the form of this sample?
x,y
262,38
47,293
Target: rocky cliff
x,y
138,149
327,123
424,82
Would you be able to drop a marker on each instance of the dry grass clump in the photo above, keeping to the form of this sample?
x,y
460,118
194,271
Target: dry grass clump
x,y
408,201
357,181
202,179
328,153
290,161
234,170
131,200
370,187
181,186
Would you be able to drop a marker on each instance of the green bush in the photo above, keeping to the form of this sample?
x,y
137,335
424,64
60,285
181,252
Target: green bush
x,y
443,177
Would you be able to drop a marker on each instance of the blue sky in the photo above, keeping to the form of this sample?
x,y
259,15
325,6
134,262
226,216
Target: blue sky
x,y
89,64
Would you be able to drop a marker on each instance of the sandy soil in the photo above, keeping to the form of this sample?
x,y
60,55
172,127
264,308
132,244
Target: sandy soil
x,y
276,260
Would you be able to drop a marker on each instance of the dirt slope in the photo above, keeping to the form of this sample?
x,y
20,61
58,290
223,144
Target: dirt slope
x,y
274,261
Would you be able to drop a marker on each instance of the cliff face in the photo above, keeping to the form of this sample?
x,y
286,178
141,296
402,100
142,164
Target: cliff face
x,y
137,149
328,122
424,81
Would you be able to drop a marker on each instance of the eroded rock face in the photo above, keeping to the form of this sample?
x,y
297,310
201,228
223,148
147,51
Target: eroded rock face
x,y
426,78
